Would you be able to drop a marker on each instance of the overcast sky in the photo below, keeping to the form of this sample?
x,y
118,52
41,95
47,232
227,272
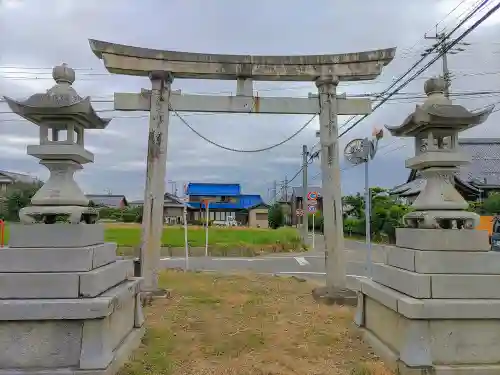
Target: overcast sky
x,y
35,35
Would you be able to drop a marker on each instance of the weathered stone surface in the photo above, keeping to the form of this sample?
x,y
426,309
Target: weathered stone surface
x,y
70,334
56,259
410,283
55,235
65,285
71,309
414,308
101,279
38,285
421,343
445,262
138,61
442,239
331,296
466,286
42,344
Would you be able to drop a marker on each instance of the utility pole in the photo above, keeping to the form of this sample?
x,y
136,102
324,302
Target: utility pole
x,y
442,43
285,187
305,219
173,187
275,191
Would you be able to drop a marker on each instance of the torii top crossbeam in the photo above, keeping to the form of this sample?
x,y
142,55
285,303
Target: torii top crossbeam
x,y
138,61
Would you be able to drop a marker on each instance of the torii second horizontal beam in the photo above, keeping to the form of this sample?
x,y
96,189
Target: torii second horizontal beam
x,y
240,104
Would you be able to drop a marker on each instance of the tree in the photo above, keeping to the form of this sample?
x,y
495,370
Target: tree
x,y
491,205
386,215
275,216
18,196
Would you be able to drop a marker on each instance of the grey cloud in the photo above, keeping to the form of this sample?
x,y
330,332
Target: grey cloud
x,y
43,33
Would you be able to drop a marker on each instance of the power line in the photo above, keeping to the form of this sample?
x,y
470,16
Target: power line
x,y
445,49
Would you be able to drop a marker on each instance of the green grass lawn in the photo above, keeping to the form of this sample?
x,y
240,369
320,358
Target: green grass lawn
x,y
174,237
130,235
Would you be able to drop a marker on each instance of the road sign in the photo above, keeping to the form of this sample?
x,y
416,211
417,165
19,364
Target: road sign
x,y
299,212
311,208
312,203
312,195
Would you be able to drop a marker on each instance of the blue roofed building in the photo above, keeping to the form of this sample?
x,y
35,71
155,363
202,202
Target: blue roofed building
x,y
226,201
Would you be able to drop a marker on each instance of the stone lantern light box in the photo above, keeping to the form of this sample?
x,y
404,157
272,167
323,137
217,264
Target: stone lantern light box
x,y
62,116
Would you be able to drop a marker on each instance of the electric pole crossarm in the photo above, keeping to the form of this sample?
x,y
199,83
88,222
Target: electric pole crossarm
x,y
442,46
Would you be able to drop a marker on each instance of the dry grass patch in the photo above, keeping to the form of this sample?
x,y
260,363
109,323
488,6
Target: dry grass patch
x,y
221,324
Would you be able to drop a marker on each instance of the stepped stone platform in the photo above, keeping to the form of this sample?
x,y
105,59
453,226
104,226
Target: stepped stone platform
x,y
66,309
433,306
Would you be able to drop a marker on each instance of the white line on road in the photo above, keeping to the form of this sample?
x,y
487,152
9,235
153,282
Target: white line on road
x,y
286,256
301,261
299,273
236,259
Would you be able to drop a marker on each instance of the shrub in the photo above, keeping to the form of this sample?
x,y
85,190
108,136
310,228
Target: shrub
x,y
386,216
276,217
318,222
129,217
350,224
491,205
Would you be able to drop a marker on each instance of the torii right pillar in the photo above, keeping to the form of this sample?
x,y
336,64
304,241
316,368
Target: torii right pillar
x,y
433,306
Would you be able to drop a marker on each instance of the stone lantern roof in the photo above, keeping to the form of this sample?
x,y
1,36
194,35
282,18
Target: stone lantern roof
x,y
59,103
62,116
437,111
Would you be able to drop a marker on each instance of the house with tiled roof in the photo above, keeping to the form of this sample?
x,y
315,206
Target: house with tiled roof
x,y
108,200
473,181
8,178
173,207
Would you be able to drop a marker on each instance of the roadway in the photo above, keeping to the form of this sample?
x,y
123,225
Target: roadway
x,y
310,264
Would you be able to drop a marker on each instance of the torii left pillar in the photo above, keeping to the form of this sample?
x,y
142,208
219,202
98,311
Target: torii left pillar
x,y
152,215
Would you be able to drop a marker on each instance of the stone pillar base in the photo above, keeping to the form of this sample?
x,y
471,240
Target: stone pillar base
x,y
434,309
333,296
438,337
67,310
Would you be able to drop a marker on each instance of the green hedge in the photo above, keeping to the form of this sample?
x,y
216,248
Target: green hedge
x,y
126,215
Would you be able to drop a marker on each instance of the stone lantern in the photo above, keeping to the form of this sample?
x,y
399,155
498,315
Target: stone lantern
x,y
435,126
433,305
67,304
62,116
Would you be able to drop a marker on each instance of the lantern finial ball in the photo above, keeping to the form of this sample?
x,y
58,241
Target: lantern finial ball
x,y
434,86
63,74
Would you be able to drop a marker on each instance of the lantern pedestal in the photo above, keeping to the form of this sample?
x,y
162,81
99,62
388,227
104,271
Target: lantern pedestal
x,y
435,305
67,305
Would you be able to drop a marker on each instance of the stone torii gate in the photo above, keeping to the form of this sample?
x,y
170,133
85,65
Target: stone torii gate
x,y
163,66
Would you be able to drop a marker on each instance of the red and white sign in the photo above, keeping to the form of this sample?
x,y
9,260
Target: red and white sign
x,y
312,195
312,203
311,208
